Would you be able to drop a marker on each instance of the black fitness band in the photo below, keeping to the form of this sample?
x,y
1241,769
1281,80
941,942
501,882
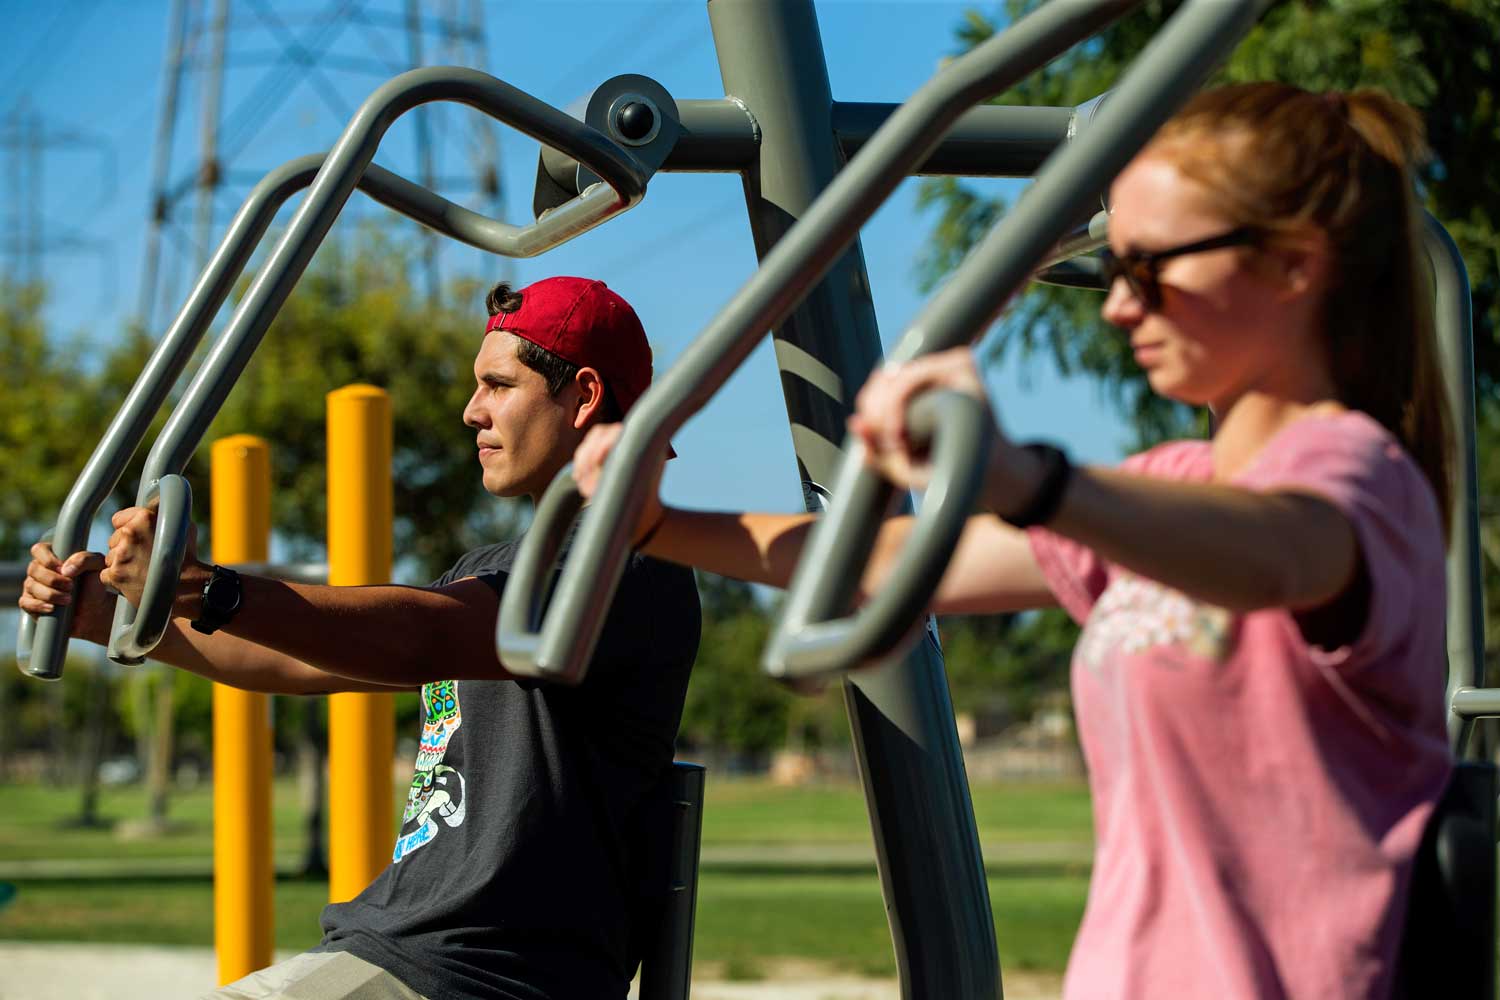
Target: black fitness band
x,y
1044,503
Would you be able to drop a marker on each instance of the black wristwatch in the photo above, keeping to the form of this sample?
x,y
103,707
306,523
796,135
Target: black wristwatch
x,y
1043,505
221,599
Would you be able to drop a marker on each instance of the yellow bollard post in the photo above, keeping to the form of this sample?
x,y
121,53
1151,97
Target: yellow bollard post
x,y
243,874
361,727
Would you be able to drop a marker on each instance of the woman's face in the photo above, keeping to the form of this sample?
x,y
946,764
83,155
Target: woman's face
x,y
1223,327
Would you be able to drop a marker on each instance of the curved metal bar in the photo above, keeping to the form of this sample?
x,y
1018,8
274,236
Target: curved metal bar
x,y
1454,326
41,644
1196,38
333,178
136,631
518,631
956,427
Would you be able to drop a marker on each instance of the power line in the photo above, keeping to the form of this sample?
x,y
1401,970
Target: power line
x,y
44,48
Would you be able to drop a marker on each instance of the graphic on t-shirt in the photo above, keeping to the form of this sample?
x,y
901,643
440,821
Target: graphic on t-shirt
x,y
437,790
1134,615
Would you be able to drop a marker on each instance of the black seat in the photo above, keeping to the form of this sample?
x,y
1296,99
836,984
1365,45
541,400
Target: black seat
x,y
667,844
1448,947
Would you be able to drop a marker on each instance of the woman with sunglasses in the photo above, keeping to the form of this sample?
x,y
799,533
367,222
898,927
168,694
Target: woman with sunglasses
x,y
1258,681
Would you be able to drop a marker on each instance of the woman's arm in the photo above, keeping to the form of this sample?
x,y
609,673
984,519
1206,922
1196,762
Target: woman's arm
x,y
1226,545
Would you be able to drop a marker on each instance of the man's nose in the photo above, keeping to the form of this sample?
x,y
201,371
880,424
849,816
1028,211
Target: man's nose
x,y
474,415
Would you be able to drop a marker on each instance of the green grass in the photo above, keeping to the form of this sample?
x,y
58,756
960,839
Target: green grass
x,y
749,915
754,812
36,822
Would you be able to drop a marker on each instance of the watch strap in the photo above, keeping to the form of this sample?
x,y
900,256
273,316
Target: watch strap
x,y
217,612
1057,471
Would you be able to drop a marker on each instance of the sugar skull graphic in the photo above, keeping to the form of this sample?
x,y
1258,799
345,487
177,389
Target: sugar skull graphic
x,y
437,790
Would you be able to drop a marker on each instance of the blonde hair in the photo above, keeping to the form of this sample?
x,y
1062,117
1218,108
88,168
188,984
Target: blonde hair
x,y
1287,161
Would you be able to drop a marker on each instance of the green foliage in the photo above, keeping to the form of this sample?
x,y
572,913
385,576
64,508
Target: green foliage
x,y
730,704
51,419
1440,56
1002,664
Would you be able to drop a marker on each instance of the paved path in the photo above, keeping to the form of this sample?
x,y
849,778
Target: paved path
x,y
127,972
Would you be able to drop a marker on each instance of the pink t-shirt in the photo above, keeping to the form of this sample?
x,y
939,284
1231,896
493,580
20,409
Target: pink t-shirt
x,y
1258,800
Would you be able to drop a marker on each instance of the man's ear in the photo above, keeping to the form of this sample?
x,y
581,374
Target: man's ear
x,y
590,404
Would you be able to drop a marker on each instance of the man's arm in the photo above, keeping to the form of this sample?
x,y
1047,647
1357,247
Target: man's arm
x,y
220,657
383,634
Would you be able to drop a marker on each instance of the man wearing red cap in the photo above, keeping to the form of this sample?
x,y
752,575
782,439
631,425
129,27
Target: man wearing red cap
x,y
513,875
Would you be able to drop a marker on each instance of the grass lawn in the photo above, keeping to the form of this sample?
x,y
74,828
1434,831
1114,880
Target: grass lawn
x,y
747,916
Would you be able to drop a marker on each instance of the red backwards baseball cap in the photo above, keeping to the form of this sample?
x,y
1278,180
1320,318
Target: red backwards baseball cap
x,y
584,323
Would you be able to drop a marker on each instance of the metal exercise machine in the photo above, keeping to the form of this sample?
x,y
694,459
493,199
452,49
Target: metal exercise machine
x,y
781,130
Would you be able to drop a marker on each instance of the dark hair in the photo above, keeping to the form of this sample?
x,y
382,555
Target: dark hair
x,y
555,371
1283,160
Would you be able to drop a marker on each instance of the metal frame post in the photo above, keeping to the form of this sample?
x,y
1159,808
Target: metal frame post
x,y
927,844
361,726
1454,328
244,877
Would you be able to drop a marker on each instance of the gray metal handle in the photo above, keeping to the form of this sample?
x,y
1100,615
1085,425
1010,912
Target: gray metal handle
x,y
570,628
136,631
26,633
808,640
517,630
1194,40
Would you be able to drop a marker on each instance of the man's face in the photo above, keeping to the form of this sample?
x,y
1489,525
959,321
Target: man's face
x,y
524,434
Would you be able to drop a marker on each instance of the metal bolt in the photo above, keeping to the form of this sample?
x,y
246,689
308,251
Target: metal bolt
x,y
634,121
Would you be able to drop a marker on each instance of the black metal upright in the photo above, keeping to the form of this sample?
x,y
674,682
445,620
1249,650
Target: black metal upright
x,y
927,845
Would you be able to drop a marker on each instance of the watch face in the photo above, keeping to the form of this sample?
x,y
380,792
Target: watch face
x,y
222,593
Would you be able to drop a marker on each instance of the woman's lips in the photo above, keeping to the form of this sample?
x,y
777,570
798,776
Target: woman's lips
x,y
1146,352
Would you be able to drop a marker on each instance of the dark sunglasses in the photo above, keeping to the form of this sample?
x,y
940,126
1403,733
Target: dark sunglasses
x,y
1140,268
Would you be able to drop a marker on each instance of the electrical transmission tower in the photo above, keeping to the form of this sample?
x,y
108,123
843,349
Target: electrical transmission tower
x,y
253,55
26,140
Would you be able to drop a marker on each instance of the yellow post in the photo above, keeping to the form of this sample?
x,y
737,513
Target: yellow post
x,y
361,727
243,876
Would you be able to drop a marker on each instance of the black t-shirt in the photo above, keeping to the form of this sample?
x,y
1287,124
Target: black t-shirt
x,y
511,878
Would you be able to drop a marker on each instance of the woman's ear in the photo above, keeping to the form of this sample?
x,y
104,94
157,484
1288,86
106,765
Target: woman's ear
x,y
1301,264
590,400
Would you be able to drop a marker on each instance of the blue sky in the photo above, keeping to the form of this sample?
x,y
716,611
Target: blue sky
x,y
95,68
